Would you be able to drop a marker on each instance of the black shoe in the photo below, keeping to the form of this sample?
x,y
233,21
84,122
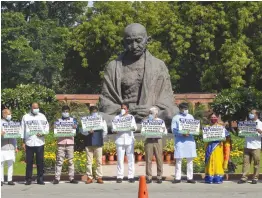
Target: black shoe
x,y
131,180
159,181
11,183
56,181
2,183
241,181
191,181
175,181
28,182
73,181
254,181
149,181
40,182
119,180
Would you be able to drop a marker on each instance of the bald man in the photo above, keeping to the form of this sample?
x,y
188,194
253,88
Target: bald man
x,y
154,145
8,148
137,78
34,143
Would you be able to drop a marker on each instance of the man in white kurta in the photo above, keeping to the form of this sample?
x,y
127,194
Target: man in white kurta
x,y
34,144
8,148
125,144
185,146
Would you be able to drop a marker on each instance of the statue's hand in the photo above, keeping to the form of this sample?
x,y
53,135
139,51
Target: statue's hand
x,y
141,110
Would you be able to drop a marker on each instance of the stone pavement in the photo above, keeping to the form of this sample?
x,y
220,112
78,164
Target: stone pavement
x,y
110,171
112,190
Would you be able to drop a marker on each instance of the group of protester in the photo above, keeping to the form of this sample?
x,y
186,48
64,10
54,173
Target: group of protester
x,y
216,153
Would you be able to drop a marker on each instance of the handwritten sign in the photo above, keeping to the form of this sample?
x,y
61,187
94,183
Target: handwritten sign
x,y
213,133
12,129
36,126
91,123
152,128
189,126
247,129
64,129
122,124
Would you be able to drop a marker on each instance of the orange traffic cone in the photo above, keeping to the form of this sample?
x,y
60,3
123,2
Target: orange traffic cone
x,y
142,192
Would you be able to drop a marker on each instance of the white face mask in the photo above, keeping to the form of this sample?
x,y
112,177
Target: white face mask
x,y
251,116
123,112
185,112
65,114
8,117
35,111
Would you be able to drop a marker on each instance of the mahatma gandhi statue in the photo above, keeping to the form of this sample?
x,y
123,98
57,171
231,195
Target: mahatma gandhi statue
x,y
138,78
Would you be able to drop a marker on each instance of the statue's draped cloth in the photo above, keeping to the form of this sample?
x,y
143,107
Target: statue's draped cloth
x,y
156,87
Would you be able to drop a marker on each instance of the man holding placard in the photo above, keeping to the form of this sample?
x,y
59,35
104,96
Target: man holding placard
x,y
9,131
153,128
65,130
252,148
124,125
94,130
185,146
35,126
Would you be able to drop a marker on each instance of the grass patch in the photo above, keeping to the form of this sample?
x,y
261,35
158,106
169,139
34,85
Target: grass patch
x,y
19,167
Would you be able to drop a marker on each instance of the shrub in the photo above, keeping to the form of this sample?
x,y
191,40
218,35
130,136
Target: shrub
x,y
234,104
169,147
139,147
20,98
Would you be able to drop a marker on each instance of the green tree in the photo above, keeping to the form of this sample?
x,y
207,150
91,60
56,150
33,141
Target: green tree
x,y
35,41
208,46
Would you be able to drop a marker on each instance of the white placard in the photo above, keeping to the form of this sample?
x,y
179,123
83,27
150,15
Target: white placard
x,y
214,133
36,126
122,124
152,128
189,126
91,123
64,129
247,129
12,129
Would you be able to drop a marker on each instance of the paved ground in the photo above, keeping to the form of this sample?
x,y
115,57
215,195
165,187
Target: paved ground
x,y
126,190
140,169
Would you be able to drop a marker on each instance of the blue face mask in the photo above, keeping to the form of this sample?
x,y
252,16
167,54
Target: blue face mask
x,y
251,116
150,117
94,114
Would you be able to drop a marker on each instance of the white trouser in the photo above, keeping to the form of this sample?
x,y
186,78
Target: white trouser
x,y
129,150
10,170
189,168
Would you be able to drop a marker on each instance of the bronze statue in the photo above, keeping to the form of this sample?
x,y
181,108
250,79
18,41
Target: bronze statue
x,y
138,78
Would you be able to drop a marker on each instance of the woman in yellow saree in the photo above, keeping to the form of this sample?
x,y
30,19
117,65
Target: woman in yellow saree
x,y
216,156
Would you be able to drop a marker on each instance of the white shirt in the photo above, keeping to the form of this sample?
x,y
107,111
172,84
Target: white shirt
x,y
127,137
254,142
33,140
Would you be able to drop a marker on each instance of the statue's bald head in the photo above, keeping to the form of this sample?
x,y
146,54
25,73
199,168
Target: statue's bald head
x,y
135,29
135,39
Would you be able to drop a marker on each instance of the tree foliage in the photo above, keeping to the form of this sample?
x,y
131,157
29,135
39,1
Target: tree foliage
x,y
19,100
207,46
235,104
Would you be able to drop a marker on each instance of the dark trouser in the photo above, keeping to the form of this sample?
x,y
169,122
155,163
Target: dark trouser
x,y
249,155
154,145
39,152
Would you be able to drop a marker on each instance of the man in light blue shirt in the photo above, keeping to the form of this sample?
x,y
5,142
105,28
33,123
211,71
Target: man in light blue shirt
x,y
185,146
